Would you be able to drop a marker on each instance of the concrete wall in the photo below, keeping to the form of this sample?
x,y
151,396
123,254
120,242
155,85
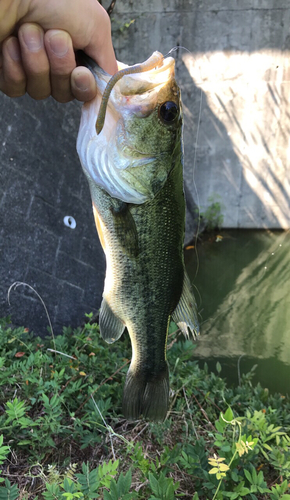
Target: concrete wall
x,y
235,87
41,182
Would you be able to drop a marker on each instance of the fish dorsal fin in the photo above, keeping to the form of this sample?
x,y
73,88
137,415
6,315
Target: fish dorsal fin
x,y
111,327
185,314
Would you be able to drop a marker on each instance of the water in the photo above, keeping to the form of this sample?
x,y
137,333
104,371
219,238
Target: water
x,y
243,295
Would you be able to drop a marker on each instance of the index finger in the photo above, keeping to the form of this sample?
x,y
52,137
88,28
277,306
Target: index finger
x,y
100,47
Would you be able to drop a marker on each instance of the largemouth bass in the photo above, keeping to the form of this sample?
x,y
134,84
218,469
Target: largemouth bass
x,y
133,159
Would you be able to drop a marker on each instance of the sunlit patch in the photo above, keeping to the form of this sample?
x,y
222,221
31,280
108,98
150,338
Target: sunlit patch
x,y
246,114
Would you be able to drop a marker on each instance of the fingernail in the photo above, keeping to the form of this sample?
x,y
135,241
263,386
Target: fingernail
x,y
82,82
13,49
59,44
33,38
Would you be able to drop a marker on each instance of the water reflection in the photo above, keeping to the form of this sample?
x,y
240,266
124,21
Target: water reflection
x,y
243,280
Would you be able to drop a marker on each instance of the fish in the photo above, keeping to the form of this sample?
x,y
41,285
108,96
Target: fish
x,y
131,150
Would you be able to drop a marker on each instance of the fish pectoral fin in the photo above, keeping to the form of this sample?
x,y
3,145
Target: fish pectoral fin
x,y
99,226
185,314
125,229
111,327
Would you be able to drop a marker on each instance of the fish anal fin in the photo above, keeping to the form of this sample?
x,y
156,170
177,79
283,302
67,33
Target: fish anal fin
x,y
185,314
111,327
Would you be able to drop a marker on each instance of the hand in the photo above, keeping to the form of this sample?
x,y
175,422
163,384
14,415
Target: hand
x,y
40,59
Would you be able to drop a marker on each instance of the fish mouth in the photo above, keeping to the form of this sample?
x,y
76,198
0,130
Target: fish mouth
x,y
133,84
140,83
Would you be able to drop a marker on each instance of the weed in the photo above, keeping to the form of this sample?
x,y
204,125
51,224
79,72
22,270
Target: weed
x,y
64,437
213,217
121,27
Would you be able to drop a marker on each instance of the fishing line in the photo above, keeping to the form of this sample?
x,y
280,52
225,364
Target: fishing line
x,y
15,285
195,186
174,49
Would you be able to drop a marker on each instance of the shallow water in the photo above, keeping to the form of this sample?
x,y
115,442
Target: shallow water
x,y
242,282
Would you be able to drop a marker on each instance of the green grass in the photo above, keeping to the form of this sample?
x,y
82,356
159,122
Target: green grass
x,y
63,435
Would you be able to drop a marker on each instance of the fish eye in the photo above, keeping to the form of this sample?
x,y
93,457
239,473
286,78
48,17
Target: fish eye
x,y
168,111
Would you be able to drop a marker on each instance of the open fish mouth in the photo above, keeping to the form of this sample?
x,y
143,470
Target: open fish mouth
x,y
139,83
106,142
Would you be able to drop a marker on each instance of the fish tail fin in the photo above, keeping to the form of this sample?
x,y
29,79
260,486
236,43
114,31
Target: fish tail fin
x,y
146,395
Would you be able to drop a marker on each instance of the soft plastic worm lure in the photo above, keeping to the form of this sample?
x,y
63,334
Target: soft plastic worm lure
x,y
154,61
